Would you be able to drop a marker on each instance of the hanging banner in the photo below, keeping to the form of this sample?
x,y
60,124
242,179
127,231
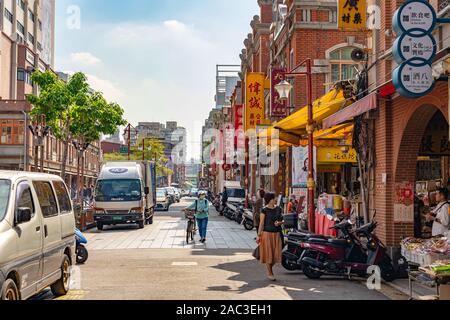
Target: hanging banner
x,y
300,167
352,14
239,140
254,100
404,202
278,107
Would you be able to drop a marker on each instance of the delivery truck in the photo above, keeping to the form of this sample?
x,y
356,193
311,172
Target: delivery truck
x,y
125,193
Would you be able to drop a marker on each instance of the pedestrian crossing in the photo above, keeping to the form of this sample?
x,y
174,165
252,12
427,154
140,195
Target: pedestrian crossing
x,y
170,233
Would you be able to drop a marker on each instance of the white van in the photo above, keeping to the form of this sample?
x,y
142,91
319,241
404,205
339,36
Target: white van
x,y
37,235
125,194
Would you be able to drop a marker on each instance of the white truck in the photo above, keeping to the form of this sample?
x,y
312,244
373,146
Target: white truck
x,y
125,193
235,193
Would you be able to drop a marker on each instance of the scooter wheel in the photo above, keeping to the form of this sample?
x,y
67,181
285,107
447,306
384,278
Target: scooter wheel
x,y
248,225
387,270
287,265
310,272
82,254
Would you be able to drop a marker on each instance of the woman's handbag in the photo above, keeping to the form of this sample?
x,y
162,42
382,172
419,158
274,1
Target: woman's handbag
x,y
256,253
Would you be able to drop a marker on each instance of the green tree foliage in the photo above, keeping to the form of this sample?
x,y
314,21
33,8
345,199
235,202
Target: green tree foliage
x,y
72,110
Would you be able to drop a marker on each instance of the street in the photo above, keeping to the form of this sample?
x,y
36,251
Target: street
x,y
126,263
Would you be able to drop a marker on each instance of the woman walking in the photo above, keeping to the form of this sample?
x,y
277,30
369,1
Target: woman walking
x,y
269,236
201,208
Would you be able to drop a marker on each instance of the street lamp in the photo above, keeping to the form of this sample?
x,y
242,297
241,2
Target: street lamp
x,y
284,88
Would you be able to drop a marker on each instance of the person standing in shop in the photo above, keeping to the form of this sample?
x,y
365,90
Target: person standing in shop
x,y
440,216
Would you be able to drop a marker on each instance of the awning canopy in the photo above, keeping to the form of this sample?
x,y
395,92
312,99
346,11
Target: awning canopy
x,y
356,109
324,107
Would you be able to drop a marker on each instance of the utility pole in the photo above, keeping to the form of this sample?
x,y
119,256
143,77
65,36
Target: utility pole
x,y
127,133
39,130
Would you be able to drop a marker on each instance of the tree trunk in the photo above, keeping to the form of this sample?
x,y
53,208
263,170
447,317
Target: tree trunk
x,y
64,159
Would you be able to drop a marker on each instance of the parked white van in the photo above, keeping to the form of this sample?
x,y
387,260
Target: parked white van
x,y
37,235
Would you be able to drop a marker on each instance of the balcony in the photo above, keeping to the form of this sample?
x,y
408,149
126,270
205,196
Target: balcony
x,y
14,106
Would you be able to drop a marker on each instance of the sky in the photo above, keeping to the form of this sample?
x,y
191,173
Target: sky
x,y
156,59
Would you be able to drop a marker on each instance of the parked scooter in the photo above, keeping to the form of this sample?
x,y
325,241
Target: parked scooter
x,y
247,220
292,253
81,251
347,257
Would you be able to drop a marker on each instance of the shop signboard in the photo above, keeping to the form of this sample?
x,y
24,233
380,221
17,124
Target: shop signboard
x,y
123,150
300,167
336,155
254,100
414,49
239,140
404,202
278,107
352,14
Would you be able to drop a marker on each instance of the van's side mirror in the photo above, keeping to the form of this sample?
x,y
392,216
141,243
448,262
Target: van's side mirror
x,y
147,190
23,215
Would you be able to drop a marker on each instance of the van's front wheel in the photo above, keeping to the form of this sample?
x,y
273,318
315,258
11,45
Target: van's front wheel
x,y
10,291
141,224
61,287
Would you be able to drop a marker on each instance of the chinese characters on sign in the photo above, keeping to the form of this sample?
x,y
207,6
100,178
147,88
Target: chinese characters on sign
x,y
254,100
336,155
352,14
278,107
414,49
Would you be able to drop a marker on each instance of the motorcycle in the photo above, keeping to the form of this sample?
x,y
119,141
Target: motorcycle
x,y
348,256
81,251
247,220
292,253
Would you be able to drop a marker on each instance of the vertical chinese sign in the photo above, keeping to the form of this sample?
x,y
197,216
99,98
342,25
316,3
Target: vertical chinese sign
x,y
239,133
254,100
352,14
278,107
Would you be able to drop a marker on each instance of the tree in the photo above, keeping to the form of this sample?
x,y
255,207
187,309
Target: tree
x,y
72,110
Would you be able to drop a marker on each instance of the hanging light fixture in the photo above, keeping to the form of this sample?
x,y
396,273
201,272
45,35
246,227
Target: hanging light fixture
x,y
284,89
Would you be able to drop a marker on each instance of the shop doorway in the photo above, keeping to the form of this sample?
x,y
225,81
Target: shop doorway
x,y
422,167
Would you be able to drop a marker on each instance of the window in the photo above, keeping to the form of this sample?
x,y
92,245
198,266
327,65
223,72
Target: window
x,y
5,187
20,28
8,15
333,16
31,15
306,15
21,75
21,4
342,65
118,190
24,197
65,205
46,199
11,132
30,38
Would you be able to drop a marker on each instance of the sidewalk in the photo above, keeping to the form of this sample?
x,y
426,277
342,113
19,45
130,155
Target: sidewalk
x,y
420,292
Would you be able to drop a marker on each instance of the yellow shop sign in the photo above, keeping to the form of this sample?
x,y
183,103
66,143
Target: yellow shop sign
x,y
336,155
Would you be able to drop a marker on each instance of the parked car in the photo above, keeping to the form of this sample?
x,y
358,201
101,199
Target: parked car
x,y
194,192
172,194
162,200
37,235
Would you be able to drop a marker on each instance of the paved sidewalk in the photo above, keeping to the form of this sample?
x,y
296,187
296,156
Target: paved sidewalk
x,y
169,232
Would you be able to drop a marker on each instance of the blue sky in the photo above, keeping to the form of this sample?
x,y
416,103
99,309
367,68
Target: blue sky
x,y
156,58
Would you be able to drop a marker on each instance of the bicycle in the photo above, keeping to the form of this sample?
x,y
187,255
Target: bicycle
x,y
190,229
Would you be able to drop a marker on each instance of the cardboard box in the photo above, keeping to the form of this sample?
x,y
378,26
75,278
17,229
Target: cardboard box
x,y
444,291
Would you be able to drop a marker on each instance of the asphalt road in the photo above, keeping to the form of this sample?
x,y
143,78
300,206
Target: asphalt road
x,y
126,263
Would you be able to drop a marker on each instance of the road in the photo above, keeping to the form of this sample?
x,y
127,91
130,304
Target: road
x,y
126,263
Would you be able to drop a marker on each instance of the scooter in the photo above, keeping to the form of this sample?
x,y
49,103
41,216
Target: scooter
x,y
292,253
81,251
247,220
347,257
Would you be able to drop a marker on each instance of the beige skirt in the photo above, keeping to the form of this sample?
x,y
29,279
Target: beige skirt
x,y
270,248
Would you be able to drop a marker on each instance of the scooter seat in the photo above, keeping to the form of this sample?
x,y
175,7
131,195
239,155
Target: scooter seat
x,y
339,242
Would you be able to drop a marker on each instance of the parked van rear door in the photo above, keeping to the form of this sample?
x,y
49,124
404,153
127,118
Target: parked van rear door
x,y
52,228
30,240
65,210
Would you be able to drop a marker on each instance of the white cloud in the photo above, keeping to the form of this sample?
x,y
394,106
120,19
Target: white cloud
x,y
109,89
84,58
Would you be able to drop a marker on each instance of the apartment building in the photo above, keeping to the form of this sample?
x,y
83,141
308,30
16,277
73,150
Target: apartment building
x,y
27,43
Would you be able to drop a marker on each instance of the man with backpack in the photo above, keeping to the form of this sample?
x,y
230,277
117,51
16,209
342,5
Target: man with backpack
x,y
201,208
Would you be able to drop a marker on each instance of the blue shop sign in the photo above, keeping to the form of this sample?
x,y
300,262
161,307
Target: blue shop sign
x,y
415,17
414,78
408,47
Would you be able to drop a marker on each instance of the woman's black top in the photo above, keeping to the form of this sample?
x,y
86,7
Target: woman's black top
x,y
272,216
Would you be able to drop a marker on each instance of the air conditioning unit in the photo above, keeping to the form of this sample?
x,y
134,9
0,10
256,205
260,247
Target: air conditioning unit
x,y
282,10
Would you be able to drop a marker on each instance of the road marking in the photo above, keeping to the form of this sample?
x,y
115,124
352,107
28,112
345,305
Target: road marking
x,y
184,264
